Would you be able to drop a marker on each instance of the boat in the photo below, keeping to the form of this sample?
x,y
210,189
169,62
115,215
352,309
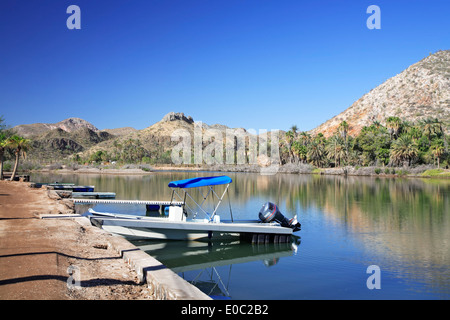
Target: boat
x,y
190,220
74,188
64,186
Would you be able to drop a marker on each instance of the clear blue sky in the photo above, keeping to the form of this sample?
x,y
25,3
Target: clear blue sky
x,y
262,64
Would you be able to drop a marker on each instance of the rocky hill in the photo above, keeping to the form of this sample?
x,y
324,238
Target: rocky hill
x,y
155,139
68,125
54,141
58,143
419,92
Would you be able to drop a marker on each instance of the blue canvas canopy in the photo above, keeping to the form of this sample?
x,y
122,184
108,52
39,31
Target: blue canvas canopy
x,y
200,182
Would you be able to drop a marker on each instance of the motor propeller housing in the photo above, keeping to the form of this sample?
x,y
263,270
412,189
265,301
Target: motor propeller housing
x,y
269,212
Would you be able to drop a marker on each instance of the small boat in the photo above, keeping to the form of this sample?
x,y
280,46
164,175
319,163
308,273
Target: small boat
x,y
183,221
74,188
94,195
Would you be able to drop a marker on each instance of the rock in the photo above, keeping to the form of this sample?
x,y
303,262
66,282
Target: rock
x,y
172,116
263,161
52,194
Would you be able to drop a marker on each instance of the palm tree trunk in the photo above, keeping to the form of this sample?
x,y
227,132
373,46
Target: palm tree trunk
x,y
1,165
15,166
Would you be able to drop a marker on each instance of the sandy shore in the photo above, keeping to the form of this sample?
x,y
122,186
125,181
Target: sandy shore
x,y
35,253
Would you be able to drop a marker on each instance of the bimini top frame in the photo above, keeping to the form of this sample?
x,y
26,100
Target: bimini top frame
x,y
209,182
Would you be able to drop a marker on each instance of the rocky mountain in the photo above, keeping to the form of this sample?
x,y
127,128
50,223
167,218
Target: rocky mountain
x,y
419,92
58,143
121,131
156,139
53,141
68,125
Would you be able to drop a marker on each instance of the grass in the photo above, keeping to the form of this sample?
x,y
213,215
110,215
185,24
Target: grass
x,y
436,172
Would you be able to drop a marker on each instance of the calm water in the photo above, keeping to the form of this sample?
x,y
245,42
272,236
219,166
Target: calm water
x,y
348,224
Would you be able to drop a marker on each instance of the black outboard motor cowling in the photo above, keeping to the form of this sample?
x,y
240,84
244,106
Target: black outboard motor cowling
x,y
269,212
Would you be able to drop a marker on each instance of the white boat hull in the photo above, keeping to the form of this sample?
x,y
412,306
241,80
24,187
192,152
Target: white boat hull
x,y
167,234
164,229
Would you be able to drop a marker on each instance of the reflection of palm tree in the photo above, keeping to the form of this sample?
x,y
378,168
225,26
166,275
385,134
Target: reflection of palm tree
x,y
404,149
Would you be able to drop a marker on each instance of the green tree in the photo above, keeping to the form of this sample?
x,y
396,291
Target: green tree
x,y
294,129
299,150
20,146
289,139
343,129
3,146
336,150
437,149
432,127
404,150
393,125
316,152
374,143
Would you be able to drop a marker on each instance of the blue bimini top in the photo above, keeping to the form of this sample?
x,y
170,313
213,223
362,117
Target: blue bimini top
x,y
200,182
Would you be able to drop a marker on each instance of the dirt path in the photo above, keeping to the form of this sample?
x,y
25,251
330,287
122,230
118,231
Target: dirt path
x,y
36,255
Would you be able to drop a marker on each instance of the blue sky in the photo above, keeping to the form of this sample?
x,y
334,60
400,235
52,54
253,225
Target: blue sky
x,y
260,64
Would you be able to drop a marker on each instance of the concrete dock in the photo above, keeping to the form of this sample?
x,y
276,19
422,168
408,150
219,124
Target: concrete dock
x,y
47,252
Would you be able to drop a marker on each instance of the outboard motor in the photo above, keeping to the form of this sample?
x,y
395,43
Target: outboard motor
x,y
269,212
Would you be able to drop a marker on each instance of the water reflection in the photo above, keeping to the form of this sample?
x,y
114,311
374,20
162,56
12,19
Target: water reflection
x,y
208,265
403,225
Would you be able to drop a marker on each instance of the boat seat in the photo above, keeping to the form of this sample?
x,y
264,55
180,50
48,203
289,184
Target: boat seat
x,y
176,214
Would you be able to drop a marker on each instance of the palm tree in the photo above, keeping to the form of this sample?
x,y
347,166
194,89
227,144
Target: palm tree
x,y
305,137
21,146
404,149
294,129
3,146
376,124
336,149
299,150
393,124
289,139
316,152
432,126
343,129
437,150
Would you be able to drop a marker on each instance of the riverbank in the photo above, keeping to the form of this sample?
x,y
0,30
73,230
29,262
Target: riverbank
x,y
38,256
424,171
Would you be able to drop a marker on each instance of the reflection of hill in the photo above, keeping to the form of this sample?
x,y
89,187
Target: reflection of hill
x,y
404,222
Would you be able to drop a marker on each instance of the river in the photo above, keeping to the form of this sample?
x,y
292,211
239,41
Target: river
x,y
361,237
